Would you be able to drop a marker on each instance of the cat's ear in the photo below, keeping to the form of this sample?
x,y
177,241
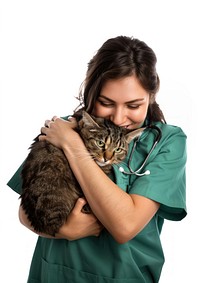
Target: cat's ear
x,y
88,120
134,134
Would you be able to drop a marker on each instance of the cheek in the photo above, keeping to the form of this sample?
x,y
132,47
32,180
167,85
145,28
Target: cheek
x,y
139,115
100,111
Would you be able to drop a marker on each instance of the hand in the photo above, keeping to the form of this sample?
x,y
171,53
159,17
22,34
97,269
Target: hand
x,y
79,224
59,131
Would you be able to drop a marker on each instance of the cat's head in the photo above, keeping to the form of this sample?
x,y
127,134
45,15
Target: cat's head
x,y
106,142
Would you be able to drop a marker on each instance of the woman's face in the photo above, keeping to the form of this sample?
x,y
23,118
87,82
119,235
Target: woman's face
x,y
124,102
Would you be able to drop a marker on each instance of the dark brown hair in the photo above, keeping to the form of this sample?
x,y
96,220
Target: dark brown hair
x,y
120,57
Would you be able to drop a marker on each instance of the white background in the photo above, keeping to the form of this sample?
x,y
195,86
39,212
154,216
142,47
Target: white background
x,y
45,47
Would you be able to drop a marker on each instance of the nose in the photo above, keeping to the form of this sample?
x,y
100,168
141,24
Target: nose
x,y
118,116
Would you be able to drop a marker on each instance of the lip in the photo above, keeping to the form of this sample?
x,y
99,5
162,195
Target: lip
x,y
132,126
128,127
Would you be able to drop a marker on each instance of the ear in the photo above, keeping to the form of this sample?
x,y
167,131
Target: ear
x,y
134,134
88,120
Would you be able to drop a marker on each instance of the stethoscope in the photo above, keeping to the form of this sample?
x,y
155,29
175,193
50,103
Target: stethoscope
x,y
147,172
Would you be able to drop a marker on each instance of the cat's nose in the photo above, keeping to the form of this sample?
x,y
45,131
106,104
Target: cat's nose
x,y
108,155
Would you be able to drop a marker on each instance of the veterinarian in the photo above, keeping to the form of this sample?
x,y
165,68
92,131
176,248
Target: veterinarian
x,y
120,241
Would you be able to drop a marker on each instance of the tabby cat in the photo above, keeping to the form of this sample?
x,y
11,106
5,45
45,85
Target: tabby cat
x,y
49,187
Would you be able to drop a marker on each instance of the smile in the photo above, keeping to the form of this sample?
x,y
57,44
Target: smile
x,y
127,126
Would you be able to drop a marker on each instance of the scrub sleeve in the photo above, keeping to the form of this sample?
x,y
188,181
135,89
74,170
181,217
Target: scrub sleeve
x,y
101,259
167,181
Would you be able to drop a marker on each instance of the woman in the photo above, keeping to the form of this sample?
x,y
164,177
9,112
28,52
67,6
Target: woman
x,y
120,242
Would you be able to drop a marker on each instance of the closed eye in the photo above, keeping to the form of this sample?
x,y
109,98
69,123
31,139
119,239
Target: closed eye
x,y
106,104
133,106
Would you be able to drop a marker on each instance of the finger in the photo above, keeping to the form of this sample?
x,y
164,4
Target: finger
x,y
99,229
42,137
48,123
71,119
79,205
54,118
72,122
43,130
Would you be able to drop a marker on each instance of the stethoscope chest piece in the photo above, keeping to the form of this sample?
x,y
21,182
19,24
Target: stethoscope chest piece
x,y
121,169
137,172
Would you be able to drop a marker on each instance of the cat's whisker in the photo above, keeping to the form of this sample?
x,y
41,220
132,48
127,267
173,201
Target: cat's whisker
x,y
88,159
86,156
78,150
83,156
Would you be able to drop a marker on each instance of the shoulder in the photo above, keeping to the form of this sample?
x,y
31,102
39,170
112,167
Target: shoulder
x,y
173,141
172,136
168,133
170,130
171,144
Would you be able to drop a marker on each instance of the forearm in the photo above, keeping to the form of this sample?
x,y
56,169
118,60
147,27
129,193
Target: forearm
x,y
112,206
77,226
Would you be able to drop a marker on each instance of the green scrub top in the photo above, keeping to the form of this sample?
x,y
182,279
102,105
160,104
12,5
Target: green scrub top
x,y
103,260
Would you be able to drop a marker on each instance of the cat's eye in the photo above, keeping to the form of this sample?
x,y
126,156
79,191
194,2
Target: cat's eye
x,y
100,143
118,150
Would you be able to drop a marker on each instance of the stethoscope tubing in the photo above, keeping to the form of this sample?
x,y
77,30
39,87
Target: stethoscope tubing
x,y
156,141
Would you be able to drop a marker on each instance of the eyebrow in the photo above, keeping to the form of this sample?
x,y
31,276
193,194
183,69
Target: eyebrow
x,y
131,101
